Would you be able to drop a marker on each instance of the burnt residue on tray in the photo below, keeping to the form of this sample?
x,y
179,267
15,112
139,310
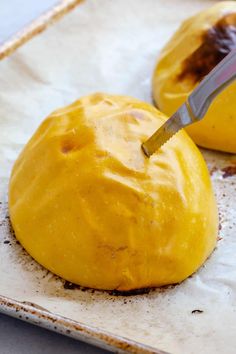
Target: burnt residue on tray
x,y
197,311
143,291
229,171
212,170
6,222
217,42
71,286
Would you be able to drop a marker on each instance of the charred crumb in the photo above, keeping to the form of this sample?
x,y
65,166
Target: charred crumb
x,y
220,226
217,42
220,217
219,238
229,171
197,311
70,286
212,170
83,289
6,242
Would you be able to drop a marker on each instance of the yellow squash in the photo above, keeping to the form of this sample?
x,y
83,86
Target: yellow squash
x,y
89,206
200,43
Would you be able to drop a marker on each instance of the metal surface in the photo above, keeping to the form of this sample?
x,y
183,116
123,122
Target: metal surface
x,y
37,26
180,119
215,82
197,105
185,318
43,318
22,337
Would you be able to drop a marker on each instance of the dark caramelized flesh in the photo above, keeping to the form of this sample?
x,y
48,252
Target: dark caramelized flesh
x,y
217,42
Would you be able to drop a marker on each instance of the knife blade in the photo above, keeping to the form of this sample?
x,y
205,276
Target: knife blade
x,y
196,106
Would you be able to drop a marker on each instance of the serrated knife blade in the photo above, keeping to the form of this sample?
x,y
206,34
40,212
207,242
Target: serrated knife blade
x,y
197,104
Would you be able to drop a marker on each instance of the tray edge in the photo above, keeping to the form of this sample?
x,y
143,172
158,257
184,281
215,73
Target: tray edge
x,y
33,314
37,26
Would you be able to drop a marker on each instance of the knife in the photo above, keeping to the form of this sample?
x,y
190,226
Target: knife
x,y
197,104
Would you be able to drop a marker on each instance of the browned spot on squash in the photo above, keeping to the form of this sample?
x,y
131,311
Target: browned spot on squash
x,y
67,146
217,42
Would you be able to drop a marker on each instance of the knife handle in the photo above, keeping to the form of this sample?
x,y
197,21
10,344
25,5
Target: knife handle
x,y
216,81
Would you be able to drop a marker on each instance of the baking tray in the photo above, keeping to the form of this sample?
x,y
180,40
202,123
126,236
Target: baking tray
x,y
195,316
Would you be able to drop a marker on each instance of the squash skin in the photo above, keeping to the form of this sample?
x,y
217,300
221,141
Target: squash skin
x,y
197,46
88,205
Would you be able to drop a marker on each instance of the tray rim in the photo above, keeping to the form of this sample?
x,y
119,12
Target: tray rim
x,y
36,315
30,312
37,26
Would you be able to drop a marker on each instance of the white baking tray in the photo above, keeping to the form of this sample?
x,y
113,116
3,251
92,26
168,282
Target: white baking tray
x,y
110,46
